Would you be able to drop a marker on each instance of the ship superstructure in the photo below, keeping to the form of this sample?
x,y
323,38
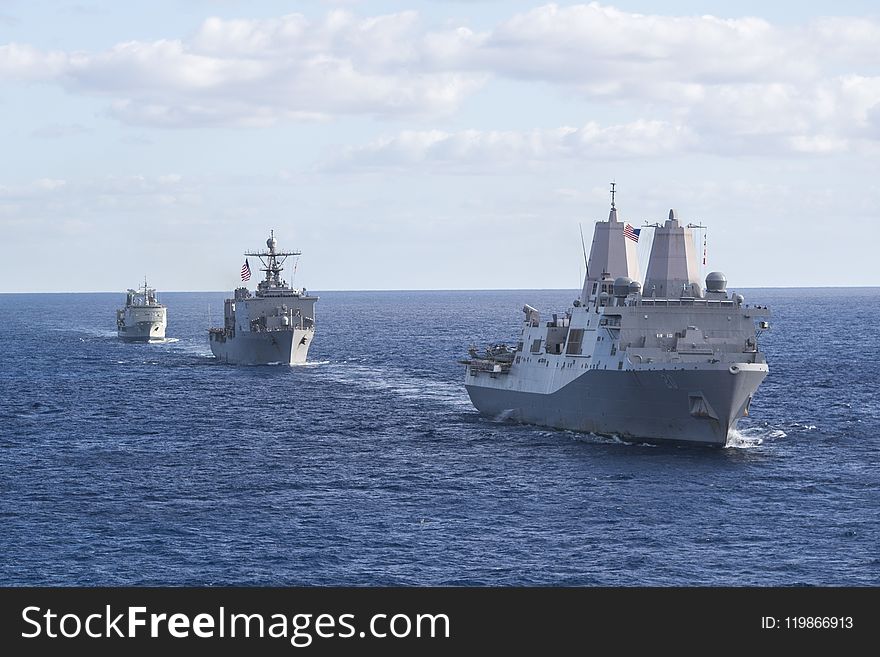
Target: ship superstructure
x,y
273,325
670,361
143,318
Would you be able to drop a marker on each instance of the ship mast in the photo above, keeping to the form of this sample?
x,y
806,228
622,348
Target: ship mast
x,y
273,261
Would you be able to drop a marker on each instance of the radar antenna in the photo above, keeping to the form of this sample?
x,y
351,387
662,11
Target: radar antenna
x,y
273,261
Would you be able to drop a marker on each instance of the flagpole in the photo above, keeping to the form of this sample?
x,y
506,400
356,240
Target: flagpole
x,y
584,247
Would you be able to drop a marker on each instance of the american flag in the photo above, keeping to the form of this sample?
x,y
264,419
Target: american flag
x,y
632,233
245,271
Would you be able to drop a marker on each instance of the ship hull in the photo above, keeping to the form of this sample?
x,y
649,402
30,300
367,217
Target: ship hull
x,y
262,348
141,324
142,332
699,407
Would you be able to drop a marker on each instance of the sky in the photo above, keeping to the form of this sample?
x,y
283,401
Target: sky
x,y
432,145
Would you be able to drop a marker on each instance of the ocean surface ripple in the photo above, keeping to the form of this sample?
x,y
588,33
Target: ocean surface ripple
x,y
151,464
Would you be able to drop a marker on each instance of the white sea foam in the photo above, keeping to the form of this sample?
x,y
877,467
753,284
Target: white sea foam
x,y
186,346
399,383
803,427
752,437
617,440
737,440
87,330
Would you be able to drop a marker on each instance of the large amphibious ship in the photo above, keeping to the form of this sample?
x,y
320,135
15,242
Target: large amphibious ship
x,y
143,318
669,361
274,325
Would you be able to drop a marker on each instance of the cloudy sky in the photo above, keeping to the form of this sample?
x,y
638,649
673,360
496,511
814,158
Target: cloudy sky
x,y
432,145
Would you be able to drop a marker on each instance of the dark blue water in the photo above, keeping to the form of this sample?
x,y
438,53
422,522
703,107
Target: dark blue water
x,y
152,464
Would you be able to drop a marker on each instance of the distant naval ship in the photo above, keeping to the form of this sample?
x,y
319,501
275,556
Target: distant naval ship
x,y
143,318
667,362
274,325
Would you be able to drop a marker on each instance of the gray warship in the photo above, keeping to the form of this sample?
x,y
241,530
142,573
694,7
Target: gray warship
x,y
143,318
669,361
275,325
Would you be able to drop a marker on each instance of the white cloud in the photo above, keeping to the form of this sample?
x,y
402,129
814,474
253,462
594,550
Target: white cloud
x,y
257,72
742,85
376,43
133,192
501,149
608,52
23,62
729,85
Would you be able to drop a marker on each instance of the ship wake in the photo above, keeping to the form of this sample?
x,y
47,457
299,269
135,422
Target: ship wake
x,y
400,384
88,331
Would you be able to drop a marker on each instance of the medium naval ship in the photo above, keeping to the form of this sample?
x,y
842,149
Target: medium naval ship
x,y
669,361
143,318
274,325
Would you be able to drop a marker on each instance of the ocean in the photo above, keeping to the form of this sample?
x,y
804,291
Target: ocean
x,y
152,464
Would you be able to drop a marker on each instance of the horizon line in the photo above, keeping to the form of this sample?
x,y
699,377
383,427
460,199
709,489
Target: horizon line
x,y
488,289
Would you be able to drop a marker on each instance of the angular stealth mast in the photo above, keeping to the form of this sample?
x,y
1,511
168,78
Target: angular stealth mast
x,y
672,268
612,255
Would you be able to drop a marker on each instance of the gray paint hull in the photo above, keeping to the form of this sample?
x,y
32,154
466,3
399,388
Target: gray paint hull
x,y
142,332
132,334
655,406
246,348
